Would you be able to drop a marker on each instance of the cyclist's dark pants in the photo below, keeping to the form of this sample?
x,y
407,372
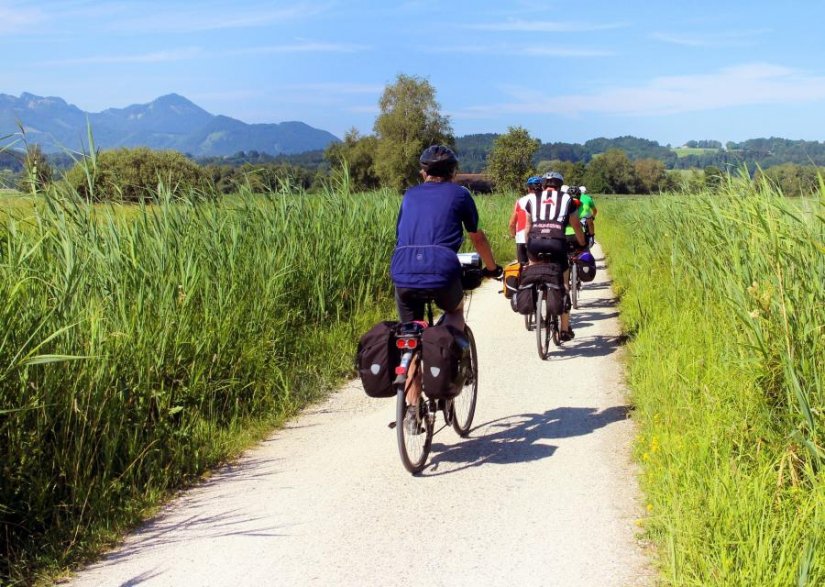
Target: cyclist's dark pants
x,y
521,253
412,302
552,250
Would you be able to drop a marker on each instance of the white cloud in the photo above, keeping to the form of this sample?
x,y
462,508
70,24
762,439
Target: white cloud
x,y
16,20
338,88
727,39
549,26
153,57
745,85
198,17
299,47
520,50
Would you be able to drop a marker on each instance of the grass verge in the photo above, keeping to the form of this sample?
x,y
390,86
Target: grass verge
x,y
722,296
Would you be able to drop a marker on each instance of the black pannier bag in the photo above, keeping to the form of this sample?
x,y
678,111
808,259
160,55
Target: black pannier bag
x,y
377,358
553,275
524,299
443,349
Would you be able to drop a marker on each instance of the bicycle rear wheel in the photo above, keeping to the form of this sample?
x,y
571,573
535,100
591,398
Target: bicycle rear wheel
x,y
464,404
413,444
542,324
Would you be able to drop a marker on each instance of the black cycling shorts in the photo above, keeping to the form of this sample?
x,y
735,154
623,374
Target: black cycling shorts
x,y
552,250
521,253
412,302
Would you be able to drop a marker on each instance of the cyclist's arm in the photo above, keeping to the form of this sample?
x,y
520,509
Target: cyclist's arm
x,y
482,246
513,221
574,222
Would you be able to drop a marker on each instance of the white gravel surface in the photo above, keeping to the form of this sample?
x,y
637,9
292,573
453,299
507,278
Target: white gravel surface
x,y
543,492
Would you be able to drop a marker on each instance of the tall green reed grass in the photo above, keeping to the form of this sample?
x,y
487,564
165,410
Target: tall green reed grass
x,y
137,346
723,297
142,345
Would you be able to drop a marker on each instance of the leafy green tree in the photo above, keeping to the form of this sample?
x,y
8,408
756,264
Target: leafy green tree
x,y
510,162
409,121
791,179
134,175
37,172
611,173
358,153
713,177
651,175
573,172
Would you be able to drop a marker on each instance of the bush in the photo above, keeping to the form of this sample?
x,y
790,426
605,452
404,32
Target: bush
x,y
134,175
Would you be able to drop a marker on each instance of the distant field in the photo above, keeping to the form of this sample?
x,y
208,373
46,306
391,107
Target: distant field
x,y
685,151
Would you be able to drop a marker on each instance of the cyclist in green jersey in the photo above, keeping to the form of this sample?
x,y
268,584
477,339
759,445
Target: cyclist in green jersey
x,y
588,211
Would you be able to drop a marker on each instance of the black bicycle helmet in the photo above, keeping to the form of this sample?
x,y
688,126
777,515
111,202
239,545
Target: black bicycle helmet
x,y
438,161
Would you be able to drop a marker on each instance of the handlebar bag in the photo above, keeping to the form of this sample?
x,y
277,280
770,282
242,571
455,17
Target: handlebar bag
x,y
376,359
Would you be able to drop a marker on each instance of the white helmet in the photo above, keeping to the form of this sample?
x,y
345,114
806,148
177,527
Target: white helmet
x,y
582,189
564,188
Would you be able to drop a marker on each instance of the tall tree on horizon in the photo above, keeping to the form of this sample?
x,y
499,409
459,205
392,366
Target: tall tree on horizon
x,y
410,120
510,162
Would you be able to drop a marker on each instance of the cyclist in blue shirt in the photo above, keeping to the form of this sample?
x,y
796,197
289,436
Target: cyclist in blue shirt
x,y
429,233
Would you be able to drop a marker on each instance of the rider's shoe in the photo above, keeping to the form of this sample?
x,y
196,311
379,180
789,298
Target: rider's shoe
x,y
566,335
411,426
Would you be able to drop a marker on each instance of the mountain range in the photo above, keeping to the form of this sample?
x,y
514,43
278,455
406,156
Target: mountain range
x,y
168,122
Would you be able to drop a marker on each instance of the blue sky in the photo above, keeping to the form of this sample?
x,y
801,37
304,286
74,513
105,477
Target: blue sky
x,y
566,71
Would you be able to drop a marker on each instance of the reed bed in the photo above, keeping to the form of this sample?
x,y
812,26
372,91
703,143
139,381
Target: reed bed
x,y
142,345
722,296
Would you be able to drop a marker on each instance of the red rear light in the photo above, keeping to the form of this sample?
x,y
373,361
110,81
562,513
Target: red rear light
x,y
401,343
400,370
412,343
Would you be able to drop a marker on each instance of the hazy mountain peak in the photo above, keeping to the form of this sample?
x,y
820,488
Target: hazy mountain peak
x,y
170,121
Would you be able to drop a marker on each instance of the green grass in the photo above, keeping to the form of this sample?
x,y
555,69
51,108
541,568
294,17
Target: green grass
x,y
142,345
725,308
685,151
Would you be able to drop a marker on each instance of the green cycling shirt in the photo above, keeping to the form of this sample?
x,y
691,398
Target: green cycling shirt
x,y
588,206
585,209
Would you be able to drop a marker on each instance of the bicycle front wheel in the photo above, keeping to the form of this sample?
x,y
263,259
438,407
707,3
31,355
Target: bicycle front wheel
x,y
414,438
542,325
464,404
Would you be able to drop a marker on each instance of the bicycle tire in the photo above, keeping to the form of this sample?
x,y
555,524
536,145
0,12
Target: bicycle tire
x,y
413,448
464,404
574,285
554,321
542,325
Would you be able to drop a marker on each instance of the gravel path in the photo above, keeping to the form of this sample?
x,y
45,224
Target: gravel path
x,y
543,492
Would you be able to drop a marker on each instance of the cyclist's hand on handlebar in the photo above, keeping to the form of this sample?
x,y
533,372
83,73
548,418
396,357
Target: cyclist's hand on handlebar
x,y
494,273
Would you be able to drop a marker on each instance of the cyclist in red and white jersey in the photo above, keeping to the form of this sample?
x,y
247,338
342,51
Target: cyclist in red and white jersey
x,y
518,220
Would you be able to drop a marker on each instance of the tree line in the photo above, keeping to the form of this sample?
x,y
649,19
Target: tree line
x,y
410,119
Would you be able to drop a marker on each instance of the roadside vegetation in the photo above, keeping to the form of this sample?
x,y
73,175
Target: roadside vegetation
x,y
722,298
144,344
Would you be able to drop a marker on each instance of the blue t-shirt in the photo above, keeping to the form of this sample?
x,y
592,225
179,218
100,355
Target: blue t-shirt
x,y
429,233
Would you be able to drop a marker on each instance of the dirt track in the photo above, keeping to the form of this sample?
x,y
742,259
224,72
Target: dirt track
x,y
542,492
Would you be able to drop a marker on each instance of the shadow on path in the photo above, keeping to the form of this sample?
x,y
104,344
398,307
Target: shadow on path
x,y
517,439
